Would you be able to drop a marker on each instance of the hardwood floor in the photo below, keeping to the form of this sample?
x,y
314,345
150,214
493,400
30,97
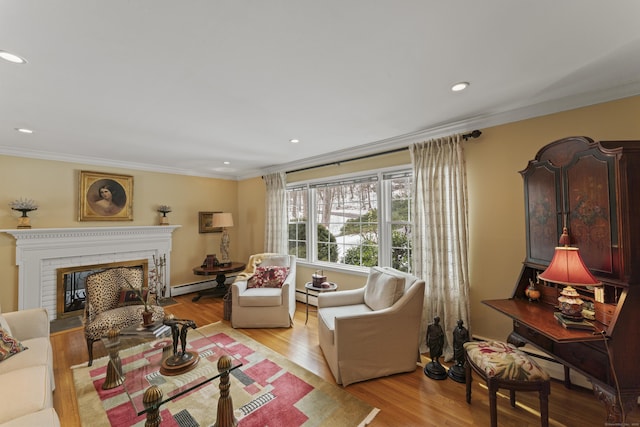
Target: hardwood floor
x,y
404,400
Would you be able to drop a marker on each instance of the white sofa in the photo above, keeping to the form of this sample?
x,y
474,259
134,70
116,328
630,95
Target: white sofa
x,y
373,331
26,378
264,307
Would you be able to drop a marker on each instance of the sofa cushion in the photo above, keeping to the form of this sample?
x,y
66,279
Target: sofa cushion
x,y
382,289
9,346
39,353
118,319
260,297
327,315
30,392
268,277
46,417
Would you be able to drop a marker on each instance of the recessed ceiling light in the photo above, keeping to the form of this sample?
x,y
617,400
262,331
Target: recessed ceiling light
x,y
24,130
294,141
11,57
226,162
459,86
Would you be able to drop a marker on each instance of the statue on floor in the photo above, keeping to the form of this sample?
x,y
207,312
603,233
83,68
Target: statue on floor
x,y
435,342
460,336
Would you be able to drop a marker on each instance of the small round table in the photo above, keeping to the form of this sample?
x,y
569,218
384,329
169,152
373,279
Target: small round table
x,y
220,272
309,287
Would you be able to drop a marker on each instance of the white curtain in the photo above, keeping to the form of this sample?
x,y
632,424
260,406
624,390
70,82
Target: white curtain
x,y
276,236
440,234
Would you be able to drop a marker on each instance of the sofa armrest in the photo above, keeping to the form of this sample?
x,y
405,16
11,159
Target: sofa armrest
x,y
340,298
29,323
238,287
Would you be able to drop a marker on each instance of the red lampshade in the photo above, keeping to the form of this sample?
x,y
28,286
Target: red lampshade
x,y
567,268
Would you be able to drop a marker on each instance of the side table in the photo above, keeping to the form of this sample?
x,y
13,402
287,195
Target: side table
x,y
220,272
308,287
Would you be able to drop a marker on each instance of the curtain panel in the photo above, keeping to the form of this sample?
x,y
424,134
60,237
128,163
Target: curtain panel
x,y
440,238
276,222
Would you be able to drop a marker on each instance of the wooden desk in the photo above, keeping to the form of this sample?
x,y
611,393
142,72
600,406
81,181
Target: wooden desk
x,y
221,277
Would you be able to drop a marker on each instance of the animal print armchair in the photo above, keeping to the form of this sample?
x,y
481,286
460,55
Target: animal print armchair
x,y
109,304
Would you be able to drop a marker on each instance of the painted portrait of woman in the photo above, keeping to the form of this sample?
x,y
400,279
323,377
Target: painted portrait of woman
x,y
105,197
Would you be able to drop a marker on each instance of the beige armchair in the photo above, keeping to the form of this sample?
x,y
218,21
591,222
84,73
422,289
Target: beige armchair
x,y
104,308
373,331
267,306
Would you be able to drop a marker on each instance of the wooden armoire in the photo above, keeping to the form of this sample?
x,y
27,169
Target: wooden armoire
x,y
592,188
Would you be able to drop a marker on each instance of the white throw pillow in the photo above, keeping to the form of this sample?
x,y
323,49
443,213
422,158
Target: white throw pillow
x,y
275,261
382,289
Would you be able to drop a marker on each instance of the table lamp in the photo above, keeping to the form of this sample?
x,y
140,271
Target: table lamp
x,y
567,268
223,220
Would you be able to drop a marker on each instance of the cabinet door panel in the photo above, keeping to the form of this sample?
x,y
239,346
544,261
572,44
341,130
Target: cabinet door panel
x,y
542,200
591,210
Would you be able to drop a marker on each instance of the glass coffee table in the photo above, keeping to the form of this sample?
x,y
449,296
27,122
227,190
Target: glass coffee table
x,y
137,363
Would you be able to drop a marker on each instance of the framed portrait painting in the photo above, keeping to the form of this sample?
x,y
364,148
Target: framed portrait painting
x,y
105,197
205,223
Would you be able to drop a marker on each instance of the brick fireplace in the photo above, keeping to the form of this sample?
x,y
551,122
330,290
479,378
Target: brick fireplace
x,y
41,252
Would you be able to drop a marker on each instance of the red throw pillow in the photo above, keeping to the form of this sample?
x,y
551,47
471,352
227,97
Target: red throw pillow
x,y
130,297
268,277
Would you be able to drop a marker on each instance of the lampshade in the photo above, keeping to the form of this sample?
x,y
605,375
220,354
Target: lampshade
x,y
222,219
567,268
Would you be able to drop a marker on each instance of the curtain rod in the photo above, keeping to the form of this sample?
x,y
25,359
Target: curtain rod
x,y
473,134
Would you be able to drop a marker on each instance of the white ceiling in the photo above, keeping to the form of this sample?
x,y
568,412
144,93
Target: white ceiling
x,y
181,86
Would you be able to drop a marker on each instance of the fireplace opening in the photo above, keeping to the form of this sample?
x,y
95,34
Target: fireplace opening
x,y
71,294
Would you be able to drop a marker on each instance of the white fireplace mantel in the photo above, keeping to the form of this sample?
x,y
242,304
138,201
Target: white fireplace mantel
x,y
41,251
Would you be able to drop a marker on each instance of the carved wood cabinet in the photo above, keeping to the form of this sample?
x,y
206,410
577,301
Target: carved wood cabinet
x,y
592,188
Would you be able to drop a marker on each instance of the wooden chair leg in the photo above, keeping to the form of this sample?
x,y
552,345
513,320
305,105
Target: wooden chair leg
x,y
90,350
467,372
512,398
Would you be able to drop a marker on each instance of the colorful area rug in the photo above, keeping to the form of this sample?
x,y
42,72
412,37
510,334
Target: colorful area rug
x,y
268,390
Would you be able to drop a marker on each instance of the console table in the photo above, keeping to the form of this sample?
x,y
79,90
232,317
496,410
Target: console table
x,y
221,276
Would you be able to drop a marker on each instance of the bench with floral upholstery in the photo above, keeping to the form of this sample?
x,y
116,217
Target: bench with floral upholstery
x,y
502,365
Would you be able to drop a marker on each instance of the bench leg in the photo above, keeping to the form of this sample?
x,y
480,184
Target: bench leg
x,y
512,398
544,404
493,401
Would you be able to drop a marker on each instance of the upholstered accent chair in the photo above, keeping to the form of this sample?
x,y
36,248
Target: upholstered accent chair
x,y
263,295
373,331
107,305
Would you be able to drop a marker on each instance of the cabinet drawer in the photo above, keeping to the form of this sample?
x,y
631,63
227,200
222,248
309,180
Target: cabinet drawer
x,y
533,336
584,358
604,312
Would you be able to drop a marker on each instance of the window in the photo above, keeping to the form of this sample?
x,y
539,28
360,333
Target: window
x,y
362,221
298,212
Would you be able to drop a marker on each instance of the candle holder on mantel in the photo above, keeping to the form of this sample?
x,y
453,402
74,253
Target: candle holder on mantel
x,y
164,210
24,206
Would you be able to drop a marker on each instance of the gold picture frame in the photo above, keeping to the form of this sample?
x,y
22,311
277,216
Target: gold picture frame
x,y
205,219
105,197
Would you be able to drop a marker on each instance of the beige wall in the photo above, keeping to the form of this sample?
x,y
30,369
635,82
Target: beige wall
x,y
496,203
54,185
496,199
